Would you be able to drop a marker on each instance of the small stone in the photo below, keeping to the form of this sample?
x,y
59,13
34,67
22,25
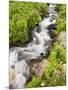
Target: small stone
x,y
62,38
12,77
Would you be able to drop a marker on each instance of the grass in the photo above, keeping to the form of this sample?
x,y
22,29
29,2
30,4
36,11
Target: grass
x,y
54,74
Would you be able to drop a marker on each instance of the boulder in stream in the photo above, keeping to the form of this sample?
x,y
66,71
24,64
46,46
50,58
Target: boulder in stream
x,y
38,67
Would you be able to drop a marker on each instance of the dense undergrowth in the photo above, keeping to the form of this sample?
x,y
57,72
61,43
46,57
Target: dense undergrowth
x,y
24,16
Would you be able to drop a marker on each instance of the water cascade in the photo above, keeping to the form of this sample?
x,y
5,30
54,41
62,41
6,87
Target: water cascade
x,y
37,49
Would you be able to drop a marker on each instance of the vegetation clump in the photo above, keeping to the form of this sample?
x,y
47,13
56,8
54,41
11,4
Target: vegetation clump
x,y
56,60
36,81
24,16
61,20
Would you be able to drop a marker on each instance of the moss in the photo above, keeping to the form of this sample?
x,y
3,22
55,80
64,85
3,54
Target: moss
x,y
24,16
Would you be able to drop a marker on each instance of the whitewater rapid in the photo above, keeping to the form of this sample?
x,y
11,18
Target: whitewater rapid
x,y
38,48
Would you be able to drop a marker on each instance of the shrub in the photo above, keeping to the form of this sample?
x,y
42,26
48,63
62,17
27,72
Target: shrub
x,y
33,21
61,20
24,16
18,32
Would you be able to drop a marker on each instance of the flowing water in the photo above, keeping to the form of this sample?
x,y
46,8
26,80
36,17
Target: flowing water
x,y
38,48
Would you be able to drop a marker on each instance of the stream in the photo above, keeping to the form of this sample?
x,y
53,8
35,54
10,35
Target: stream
x,y
20,57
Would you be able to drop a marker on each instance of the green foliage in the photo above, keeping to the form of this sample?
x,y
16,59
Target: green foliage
x,y
36,81
24,16
53,74
58,53
33,21
18,32
56,59
61,20
55,80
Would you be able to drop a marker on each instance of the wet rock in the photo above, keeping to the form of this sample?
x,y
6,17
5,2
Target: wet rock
x,y
38,67
19,75
62,38
52,26
12,77
16,80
